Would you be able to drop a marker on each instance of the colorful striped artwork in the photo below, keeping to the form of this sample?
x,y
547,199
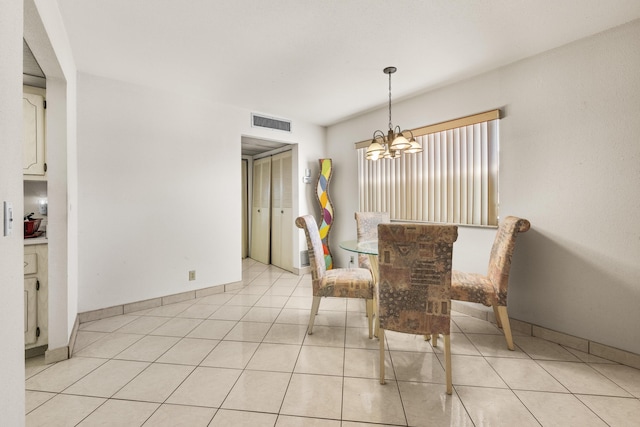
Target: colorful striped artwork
x,y
326,208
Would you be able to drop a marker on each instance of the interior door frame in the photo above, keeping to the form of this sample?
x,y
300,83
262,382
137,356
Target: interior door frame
x,y
245,203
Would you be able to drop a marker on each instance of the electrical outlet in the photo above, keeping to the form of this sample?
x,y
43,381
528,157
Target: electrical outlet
x,y
352,261
192,275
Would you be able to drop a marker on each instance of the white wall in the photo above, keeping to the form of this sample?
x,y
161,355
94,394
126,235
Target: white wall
x,y
34,191
159,190
12,398
569,162
308,158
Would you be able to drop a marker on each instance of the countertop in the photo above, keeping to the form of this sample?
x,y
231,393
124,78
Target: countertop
x,y
42,240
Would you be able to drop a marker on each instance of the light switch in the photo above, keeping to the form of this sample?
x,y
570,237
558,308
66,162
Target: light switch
x,y
8,218
306,179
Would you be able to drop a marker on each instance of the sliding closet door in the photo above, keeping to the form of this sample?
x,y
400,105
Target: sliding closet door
x,y
261,210
281,211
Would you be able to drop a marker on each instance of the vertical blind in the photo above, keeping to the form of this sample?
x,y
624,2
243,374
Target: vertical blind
x,y
454,180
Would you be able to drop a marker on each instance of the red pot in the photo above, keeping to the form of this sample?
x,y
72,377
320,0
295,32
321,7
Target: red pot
x,y
31,226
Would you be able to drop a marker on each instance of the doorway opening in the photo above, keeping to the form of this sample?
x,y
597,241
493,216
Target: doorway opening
x,y
269,190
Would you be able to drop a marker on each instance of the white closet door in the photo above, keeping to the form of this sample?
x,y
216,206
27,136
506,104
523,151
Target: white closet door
x,y
281,211
261,210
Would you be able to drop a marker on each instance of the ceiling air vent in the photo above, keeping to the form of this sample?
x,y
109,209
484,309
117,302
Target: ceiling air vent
x,y
270,123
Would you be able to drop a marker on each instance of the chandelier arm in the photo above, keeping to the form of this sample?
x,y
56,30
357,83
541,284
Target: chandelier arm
x,y
379,136
406,130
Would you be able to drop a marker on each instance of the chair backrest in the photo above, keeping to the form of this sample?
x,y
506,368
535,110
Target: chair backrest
x,y
314,245
414,291
367,230
501,253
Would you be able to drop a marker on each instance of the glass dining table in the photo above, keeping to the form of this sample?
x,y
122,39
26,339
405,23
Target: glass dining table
x,y
369,248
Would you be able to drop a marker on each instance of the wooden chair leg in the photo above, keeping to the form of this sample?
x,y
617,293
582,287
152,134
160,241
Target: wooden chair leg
x,y
434,340
498,321
312,317
447,362
381,337
506,327
370,317
427,337
376,320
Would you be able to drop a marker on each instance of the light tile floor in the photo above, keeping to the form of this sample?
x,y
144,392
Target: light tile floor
x,y
242,358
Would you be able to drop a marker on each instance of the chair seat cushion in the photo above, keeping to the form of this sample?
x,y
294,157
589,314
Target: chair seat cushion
x,y
472,287
346,282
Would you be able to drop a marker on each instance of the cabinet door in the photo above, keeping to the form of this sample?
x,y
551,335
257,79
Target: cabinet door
x,y
261,211
36,295
30,310
30,263
281,216
33,154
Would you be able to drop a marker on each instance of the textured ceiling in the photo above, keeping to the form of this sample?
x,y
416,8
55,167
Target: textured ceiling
x,y
320,61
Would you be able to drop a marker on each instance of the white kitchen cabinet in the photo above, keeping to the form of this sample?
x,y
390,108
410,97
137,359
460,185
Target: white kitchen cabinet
x,y
34,164
36,311
281,211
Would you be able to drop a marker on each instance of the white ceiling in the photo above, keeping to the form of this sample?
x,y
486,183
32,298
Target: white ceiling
x,y
320,61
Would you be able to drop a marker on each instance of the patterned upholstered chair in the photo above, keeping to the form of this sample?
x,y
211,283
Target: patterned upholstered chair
x,y
415,283
367,230
337,282
491,290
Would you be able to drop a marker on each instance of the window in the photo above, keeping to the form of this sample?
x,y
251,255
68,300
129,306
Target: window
x,y
453,180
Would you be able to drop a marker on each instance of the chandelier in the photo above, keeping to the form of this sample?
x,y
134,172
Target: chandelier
x,y
394,143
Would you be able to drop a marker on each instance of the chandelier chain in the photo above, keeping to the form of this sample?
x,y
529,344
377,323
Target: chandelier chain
x,y
390,123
